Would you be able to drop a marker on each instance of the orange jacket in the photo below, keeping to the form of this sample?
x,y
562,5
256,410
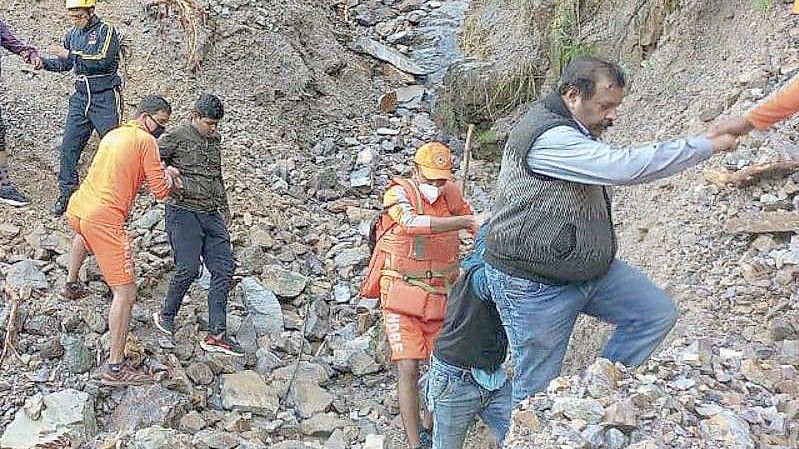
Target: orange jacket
x,y
777,107
127,157
412,267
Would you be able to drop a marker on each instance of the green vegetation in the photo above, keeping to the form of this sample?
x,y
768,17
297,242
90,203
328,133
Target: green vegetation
x,y
764,5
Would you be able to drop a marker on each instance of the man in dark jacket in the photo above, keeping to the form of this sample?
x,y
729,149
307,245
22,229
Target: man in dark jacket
x,y
91,47
196,220
551,248
8,191
466,378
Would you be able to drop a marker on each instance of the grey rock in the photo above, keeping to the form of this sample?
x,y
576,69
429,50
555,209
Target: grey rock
x,y
66,414
246,391
252,258
8,230
157,437
148,406
25,274
292,444
622,414
589,410
384,53
192,421
374,441
615,439
210,439
56,241
341,293
309,398
200,373
602,378
728,429
284,283
361,177
357,356
322,425
351,257
77,357
263,306
337,440
318,320
50,348
404,37
788,352
149,219
410,96
267,361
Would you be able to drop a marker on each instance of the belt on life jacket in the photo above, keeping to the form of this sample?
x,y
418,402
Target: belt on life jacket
x,y
416,278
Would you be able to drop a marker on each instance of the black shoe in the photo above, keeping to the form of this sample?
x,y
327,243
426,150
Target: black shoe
x,y
10,195
60,205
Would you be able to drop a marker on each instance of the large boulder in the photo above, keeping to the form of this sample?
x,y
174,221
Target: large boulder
x,y
263,308
64,417
148,406
247,392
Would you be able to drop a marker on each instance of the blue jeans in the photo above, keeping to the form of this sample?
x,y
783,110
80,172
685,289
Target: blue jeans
x,y
455,399
539,318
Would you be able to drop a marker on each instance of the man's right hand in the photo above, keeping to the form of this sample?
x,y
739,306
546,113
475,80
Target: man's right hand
x,y
468,222
724,143
737,126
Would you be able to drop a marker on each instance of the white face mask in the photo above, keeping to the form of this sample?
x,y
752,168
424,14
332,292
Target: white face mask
x,y
429,192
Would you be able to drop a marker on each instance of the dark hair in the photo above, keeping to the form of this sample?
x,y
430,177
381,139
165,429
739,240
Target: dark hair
x,y
583,72
209,106
152,104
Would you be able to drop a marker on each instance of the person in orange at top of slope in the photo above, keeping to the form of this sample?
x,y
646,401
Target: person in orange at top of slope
x,y
414,262
776,108
97,211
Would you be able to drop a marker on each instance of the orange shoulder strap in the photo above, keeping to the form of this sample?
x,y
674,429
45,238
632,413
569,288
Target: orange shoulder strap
x,y
413,194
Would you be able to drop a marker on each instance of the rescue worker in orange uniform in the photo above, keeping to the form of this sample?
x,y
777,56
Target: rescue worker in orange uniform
x,y
414,262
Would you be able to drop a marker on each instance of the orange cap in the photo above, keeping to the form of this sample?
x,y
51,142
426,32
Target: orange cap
x,y
434,160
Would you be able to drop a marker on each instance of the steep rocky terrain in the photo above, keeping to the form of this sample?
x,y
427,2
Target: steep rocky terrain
x,y
315,127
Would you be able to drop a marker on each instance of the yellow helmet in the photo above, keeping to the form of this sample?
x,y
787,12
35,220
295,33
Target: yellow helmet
x,y
81,4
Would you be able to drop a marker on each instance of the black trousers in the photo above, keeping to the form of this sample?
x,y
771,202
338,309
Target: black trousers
x,y
99,111
194,235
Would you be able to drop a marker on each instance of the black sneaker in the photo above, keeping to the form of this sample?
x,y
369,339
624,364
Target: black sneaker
x,y
223,345
10,195
163,325
60,205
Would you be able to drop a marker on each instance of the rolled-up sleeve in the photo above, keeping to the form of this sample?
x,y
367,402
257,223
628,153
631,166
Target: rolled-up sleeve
x,y
777,107
565,153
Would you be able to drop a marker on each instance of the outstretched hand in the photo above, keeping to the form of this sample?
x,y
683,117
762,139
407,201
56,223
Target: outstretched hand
x,y
58,51
736,126
724,143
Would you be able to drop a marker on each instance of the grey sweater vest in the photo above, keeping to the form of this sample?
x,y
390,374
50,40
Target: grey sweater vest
x,y
546,229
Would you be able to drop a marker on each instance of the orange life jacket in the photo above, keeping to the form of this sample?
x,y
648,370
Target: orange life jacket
x,y
411,272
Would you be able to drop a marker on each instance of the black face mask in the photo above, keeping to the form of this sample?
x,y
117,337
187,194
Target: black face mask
x,y
159,129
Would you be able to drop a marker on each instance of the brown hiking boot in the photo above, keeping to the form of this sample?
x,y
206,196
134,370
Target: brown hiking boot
x,y
123,375
74,291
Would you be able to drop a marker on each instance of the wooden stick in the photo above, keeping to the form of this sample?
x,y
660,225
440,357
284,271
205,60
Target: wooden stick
x,y
11,324
751,174
467,156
